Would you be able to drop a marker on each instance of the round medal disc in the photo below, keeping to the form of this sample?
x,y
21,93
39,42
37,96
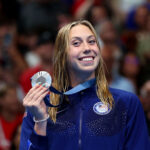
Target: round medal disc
x,y
42,77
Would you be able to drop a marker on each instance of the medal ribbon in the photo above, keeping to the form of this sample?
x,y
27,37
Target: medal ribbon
x,y
74,90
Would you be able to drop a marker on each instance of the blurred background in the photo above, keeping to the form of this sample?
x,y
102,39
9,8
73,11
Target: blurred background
x,y
27,34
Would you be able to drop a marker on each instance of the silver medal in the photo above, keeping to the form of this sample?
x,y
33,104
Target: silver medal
x,y
42,77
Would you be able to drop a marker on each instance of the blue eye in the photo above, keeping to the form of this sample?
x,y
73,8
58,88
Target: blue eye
x,y
77,43
92,42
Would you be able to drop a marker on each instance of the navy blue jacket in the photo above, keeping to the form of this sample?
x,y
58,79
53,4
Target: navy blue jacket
x,y
78,127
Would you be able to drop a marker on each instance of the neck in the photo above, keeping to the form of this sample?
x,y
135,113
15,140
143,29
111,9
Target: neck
x,y
80,78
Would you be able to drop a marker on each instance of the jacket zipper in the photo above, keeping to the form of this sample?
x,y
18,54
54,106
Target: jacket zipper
x,y
80,129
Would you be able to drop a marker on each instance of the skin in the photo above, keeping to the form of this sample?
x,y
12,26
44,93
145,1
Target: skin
x,y
83,55
33,101
83,59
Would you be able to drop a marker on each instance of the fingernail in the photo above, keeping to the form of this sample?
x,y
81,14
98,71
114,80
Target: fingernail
x,y
46,85
43,84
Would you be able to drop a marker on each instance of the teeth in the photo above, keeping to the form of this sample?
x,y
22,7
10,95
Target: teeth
x,y
87,59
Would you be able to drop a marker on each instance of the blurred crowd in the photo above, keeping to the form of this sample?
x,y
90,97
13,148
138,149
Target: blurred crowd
x,y
27,34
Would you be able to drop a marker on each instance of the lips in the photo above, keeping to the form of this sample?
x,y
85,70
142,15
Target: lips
x,y
88,58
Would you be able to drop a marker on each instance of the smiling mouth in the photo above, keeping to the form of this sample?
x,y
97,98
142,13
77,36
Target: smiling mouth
x,y
86,59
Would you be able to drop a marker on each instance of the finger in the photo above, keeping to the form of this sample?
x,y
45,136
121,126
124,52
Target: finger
x,y
37,96
38,106
40,98
34,88
32,92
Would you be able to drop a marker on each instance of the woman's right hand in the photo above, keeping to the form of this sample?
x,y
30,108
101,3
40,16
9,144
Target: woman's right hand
x,y
34,103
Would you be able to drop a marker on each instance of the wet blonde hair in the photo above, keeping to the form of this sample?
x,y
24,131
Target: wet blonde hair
x,y
61,77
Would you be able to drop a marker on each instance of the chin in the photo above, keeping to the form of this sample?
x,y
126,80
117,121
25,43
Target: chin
x,y
88,70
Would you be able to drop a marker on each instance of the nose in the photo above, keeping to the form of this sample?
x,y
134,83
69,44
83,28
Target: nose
x,y
86,48
87,51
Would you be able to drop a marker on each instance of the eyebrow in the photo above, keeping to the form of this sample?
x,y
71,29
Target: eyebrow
x,y
75,38
79,38
91,36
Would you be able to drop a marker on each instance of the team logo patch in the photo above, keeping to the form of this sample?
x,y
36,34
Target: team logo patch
x,y
101,109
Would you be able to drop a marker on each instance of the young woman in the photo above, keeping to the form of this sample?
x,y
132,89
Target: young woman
x,y
95,117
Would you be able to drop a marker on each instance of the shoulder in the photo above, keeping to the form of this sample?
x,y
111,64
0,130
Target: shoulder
x,y
128,99
128,104
120,92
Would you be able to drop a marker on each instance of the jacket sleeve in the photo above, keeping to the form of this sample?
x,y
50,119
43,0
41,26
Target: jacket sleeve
x,y
136,130
29,139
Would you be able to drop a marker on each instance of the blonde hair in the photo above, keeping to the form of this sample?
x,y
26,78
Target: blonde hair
x,y
61,76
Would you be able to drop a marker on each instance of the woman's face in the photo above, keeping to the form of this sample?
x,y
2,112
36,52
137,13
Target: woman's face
x,y
84,54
